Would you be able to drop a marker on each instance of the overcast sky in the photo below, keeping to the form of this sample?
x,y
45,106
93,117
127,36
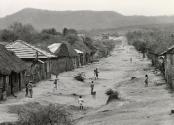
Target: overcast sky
x,y
126,7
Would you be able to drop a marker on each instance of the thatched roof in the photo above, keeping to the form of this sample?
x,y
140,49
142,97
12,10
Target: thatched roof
x,y
81,46
62,50
9,62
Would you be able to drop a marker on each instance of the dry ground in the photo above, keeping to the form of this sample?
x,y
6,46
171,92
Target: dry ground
x,y
139,105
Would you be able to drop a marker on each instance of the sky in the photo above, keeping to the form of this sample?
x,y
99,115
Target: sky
x,y
126,7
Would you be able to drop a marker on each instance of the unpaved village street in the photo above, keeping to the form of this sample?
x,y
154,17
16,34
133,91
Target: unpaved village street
x,y
138,105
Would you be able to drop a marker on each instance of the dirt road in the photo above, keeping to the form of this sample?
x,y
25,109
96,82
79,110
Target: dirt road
x,y
139,105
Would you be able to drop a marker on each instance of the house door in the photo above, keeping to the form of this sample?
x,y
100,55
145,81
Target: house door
x,y
11,84
19,80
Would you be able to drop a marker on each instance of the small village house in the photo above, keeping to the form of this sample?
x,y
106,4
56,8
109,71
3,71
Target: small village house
x,y
66,58
154,58
12,72
80,58
37,60
105,36
88,52
169,65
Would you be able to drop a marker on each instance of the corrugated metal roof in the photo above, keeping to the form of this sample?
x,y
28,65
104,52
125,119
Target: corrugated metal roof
x,y
78,51
54,47
25,50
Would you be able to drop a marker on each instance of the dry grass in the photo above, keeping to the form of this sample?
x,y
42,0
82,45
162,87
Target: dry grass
x,y
36,114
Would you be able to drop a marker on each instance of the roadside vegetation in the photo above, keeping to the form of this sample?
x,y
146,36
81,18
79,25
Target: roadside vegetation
x,y
154,40
112,95
36,114
46,37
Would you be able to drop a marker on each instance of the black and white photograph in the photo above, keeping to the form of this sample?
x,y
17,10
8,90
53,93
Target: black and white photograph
x,y
86,62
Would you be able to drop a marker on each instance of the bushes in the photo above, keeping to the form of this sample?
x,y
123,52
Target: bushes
x,y
80,77
104,47
43,115
154,41
112,95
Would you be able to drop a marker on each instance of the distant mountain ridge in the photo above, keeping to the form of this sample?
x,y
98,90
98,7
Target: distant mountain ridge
x,y
86,20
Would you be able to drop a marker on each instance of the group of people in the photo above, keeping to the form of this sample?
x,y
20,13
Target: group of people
x,y
29,88
81,100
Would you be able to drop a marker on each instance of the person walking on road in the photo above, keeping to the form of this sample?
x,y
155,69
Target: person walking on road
x,y
30,88
146,80
81,101
55,83
96,73
26,89
92,87
131,60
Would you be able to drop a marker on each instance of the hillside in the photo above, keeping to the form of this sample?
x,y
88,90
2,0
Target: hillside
x,y
87,20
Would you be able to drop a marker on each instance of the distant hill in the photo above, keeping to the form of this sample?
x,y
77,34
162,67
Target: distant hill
x,y
86,20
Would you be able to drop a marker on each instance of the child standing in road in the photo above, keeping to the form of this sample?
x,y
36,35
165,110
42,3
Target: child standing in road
x,y
55,83
96,73
26,89
131,60
92,87
81,101
146,80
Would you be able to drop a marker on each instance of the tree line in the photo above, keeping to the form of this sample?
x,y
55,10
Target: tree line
x,y
45,37
155,41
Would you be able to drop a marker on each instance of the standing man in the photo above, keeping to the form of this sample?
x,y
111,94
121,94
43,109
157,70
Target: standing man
x,y
55,83
92,87
131,60
96,73
146,80
30,88
81,101
26,89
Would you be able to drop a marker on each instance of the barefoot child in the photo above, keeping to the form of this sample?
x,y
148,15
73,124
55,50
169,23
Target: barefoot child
x,y
55,83
146,80
92,86
96,73
30,89
81,101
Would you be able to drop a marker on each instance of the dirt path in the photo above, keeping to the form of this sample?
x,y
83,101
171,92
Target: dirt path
x,y
138,106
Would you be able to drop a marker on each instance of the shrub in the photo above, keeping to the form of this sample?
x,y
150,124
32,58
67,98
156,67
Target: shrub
x,y
80,77
44,115
112,95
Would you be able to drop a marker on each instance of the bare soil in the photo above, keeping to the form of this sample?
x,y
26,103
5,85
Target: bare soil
x,y
139,105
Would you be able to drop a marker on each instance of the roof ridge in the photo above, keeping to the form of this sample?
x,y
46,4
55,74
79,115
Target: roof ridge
x,y
35,48
29,45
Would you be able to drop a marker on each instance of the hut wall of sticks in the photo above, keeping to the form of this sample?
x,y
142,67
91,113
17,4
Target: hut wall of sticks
x,y
12,70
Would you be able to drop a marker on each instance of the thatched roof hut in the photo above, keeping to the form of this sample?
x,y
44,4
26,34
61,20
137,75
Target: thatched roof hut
x,y
62,50
9,62
65,57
